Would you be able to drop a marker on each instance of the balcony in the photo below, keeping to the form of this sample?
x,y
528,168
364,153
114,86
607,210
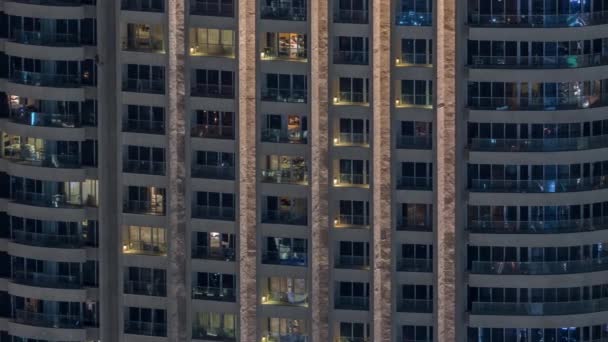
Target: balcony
x,y
284,217
538,145
47,240
403,224
215,50
351,221
351,57
289,258
34,118
414,265
538,20
144,167
351,98
66,3
415,142
143,247
143,45
212,131
352,139
539,62
48,320
39,79
145,288
143,207
144,86
538,103
288,54
352,261
212,8
213,171
213,90
30,157
284,136
413,18
44,38
350,16
143,5
48,200
283,12
281,337
540,309
415,183
539,268
284,95
285,176
213,333
213,213
414,59
360,339
144,126
41,279
415,305
418,101
352,179
213,253
285,298
538,227
538,186
351,303
213,293
145,328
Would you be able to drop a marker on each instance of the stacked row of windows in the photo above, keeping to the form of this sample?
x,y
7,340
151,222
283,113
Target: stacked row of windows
x,y
572,334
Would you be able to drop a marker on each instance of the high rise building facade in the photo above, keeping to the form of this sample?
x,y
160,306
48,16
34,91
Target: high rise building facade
x,y
304,170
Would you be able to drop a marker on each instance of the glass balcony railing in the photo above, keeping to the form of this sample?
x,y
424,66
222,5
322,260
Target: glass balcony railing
x,y
284,95
285,298
415,142
538,62
351,220
283,12
403,224
285,176
145,328
415,183
41,279
144,86
352,139
282,337
45,38
284,217
414,59
413,18
351,98
284,136
213,293
212,131
408,100
213,90
143,207
351,16
212,8
351,303
47,239
352,261
143,5
538,227
144,247
351,57
296,54
42,159
215,50
66,3
352,179
538,20
39,79
415,305
144,126
414,265
213,171
48,320
288,258
213,253
144,166
48,200
538,103
540,309
213,333
353,339
539,186
143,45
538,145
145,288
32,118
540,268
213,213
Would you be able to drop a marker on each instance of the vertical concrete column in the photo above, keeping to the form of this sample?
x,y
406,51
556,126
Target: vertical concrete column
x,y
178,298
381,152
445,189
247,220
319,162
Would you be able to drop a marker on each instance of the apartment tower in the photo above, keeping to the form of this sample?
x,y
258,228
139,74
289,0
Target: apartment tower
x,y
304,170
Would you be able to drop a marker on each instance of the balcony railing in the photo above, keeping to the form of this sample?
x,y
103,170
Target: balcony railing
x,y
42,159
284,12
352,179
213,293
47,240
285,176
213,171
540,268
47,200
539,145
415,305
143,207
350,16
213,8
285,258
351,303
352,139
144,126
353,339
144,166
538,227
143,5
213,333
48,320
67,3
213,253
537,62
281,337
351,98
44,38
539,20
351,57
39,79
417,59
216,50
213,213
284,136
412,18
284,95
143,45
143,247
415,183
212,90
539,186
348,220
145,328
352,261
212,131
409,100
540,309
285,298
415,142
144,86
414,265
33,118
538,103
297,54
40,279
284,217
403,224
145,288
